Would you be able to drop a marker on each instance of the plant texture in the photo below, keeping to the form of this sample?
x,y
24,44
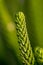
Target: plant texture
x,y
23,40
39,55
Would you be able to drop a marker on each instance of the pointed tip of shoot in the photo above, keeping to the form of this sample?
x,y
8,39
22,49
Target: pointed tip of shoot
x,y
20,16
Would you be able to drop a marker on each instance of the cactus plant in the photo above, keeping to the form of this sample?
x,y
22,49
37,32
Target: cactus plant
x,y
23,40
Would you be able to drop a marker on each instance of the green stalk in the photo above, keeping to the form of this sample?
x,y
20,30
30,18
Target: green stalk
x,y
23,40
9,32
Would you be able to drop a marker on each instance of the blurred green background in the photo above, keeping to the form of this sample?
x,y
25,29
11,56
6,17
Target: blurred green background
x,y
33,10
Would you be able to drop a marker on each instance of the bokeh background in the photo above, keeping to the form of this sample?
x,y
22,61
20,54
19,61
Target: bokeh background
x,y
33,10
